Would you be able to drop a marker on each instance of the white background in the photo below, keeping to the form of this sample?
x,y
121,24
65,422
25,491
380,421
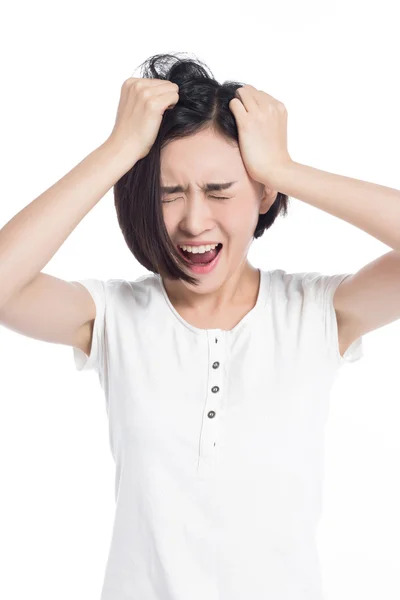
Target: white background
x,y
334,65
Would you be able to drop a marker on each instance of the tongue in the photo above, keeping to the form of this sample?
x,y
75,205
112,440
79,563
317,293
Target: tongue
x,y
205,257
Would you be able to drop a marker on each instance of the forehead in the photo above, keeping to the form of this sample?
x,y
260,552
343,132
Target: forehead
x,y
202,158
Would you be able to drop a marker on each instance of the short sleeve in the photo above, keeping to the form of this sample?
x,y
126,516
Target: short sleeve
x,y
96,288
323,288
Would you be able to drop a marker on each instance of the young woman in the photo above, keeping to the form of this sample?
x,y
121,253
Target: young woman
x,y
216,374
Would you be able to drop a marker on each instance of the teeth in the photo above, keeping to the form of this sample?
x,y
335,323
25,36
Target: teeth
x,y
199,249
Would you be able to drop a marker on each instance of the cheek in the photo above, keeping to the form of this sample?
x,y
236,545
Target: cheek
x,y
241,218
238,217
170,222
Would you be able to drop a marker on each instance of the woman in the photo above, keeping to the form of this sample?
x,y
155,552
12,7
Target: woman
x,y
216,374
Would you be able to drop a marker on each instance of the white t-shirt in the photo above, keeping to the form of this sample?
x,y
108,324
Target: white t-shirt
x,y
217,438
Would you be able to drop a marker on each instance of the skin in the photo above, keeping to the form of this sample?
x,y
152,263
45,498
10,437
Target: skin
x,y
195,215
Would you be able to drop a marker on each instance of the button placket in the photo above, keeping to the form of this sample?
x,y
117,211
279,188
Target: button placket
x,y
211,424
214,376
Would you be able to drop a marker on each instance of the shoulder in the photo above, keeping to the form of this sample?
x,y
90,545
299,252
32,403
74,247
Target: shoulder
x,y
312,284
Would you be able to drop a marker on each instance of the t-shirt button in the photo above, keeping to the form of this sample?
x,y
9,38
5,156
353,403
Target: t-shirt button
x,y
216,365
215,389
211,414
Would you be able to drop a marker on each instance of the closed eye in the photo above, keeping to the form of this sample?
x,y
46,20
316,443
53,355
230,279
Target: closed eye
x,y
216,197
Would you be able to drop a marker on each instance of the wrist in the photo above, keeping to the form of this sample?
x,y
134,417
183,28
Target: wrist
x,y
282,174
126,156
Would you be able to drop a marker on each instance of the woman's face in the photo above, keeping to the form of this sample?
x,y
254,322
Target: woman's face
x,y
228,216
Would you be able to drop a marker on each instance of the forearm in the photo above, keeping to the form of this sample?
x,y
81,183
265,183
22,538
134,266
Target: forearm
x,y
373,208
31,238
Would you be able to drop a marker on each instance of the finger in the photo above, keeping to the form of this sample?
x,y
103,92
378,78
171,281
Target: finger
x,y
237,108
147,81
247,96
267,98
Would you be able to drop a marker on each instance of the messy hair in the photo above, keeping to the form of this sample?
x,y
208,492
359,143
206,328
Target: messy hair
x,y
203,104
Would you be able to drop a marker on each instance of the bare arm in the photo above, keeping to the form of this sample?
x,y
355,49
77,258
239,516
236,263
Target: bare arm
x,y
52,310
31,238
44,307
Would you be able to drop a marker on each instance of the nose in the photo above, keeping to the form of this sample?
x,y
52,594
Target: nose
x,y
196,217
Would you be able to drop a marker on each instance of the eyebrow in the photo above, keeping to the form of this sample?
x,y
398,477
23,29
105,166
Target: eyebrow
x,y
208,187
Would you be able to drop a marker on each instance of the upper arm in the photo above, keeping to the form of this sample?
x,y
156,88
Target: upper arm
x,y
52,310
370,298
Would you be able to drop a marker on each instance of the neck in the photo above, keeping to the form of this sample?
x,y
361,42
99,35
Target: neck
x,y
241,287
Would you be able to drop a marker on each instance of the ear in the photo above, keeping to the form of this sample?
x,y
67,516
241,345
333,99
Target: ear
x,y
268,197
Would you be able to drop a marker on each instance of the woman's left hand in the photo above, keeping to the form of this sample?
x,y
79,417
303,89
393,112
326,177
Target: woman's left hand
x,y
262,127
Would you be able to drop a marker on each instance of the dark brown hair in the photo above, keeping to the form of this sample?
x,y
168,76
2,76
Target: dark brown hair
x,y
203,104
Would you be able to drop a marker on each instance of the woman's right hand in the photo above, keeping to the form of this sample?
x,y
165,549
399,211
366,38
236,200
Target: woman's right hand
x,y
140,111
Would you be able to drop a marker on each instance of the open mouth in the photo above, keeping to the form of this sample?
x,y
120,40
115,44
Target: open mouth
x,y
200,259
